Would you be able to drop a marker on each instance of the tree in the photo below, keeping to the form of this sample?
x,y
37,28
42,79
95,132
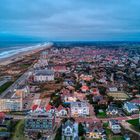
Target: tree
x,y
39,135
81,130
102,90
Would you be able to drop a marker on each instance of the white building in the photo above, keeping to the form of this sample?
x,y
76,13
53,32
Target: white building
x,y
70,130
11,104
43,75
130,107
113,89
115,126
79,109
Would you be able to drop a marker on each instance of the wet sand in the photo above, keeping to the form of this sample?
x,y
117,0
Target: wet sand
x,y
19,56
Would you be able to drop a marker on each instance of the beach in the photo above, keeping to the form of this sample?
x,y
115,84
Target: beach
x,y
23,54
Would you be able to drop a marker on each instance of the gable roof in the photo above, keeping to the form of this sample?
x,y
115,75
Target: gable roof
x,y
48,107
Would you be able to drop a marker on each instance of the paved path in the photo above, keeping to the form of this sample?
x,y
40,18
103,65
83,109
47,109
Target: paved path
x,y
127,126
88,119
15,84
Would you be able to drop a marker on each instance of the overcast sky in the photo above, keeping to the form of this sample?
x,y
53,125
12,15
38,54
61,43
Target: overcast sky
x,y
71,19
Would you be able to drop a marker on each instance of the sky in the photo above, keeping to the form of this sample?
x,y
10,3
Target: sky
x,y
81,20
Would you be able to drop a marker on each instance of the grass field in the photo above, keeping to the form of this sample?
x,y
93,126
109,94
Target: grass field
x,y
117,138
5,86
101,115
18,133
135,124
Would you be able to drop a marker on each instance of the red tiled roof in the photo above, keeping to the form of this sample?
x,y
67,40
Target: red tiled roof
x,y
34,107
84,88
137,101
48,107
2,115
60,107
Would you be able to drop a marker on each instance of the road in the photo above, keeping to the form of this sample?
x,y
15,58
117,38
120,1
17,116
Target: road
x,y
88,119
9,91
91,119
127,126
3,82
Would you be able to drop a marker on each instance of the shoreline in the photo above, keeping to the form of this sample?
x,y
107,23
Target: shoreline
x,y
21,55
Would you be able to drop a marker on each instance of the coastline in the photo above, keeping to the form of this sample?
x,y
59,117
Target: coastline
x,y
21,55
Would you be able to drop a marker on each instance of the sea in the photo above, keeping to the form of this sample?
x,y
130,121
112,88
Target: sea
x,y
9,49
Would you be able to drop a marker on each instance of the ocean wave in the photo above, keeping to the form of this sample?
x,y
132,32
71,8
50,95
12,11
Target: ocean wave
x,y
10,51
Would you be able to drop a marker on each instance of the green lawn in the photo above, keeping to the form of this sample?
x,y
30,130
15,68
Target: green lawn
x,y
19,131
105,125
2,129
25,65
101,115
134,122
5,86
117,138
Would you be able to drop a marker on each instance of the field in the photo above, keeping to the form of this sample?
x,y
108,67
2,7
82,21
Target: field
x,y
18,133
135,124
5,86
101,115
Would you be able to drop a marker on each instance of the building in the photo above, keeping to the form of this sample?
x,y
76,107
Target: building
x,y
79,109
44,54
60,68
42,63
84,88
40,121
11,104
94,130
22,91
130,108
43,75
115,126
69,130
112,110
61,111
118,95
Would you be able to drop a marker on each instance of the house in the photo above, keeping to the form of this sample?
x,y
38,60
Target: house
x,y
113,89
86,77
97,98
59,68
112,110
42,63
50,109
43,75
84,88
61,111
115,126
130,108
70,130
95,91
68,97
79,109
94,130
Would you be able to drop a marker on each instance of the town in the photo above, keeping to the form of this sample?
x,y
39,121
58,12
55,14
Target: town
x,y
71,93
